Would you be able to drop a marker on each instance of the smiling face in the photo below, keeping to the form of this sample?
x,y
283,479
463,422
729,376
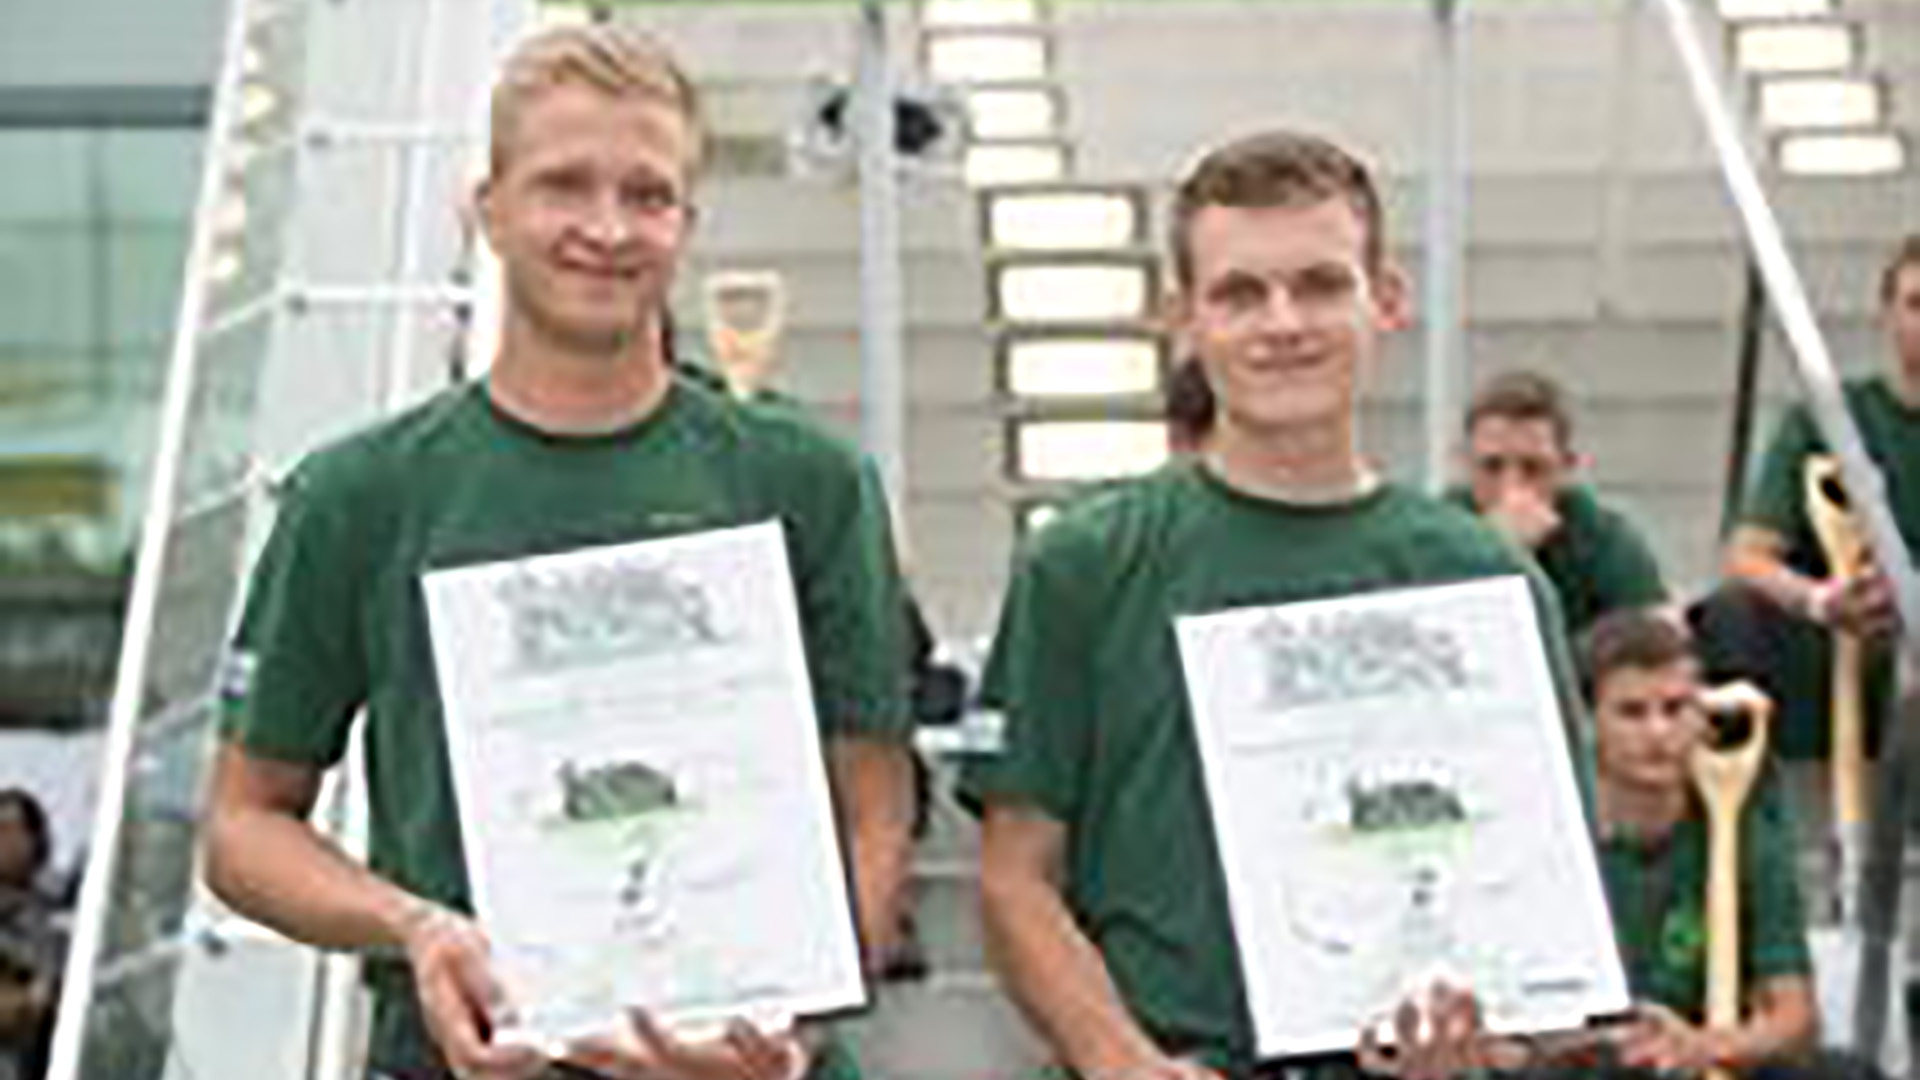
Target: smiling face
x,y
1284,313
588,211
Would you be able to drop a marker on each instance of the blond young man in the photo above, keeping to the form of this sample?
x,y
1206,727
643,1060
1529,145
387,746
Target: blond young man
x,y
579,436
1104,903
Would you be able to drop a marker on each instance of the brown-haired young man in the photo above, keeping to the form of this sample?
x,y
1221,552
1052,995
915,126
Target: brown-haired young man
x,y
1774,621
1644,688
581,435
1104,903
1522,478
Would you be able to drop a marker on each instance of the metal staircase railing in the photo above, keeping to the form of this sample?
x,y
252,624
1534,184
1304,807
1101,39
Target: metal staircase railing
x,y
322,288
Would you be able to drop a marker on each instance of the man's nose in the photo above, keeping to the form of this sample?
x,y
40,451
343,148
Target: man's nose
x,y
1281,313
606,221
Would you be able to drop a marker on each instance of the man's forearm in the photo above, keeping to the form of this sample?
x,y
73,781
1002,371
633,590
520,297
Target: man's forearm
x,y
1754,558
279,871
875,785
1059,980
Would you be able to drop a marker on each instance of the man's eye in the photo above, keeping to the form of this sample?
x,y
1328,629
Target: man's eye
x,y
1239,293
1323,284
650,197
565,183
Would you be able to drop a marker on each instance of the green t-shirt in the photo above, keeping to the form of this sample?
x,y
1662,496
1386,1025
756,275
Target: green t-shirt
x,y
1597,560
1086,669
335,618
1800,677
1891,432
1657,889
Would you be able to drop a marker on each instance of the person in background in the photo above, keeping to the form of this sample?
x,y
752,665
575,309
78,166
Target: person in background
x,y
1773,619
33,948
1523,478
1644,687
1188,408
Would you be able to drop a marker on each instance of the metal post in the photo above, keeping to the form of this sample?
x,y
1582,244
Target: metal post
x,y
1446,243
1746,391
1813,364
882,333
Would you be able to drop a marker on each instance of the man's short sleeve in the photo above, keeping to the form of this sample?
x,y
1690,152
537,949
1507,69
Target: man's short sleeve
x,y
296,673
1627,572
1776,940
853,609
1776,500
1037,678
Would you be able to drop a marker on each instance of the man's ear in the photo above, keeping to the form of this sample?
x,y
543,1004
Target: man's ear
x,y
1393,297
479,209
1173,319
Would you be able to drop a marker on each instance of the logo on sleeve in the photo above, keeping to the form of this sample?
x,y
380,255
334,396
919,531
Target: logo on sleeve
x,y
236,674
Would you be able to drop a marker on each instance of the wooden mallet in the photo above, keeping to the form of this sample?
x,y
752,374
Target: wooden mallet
x,y
1724,768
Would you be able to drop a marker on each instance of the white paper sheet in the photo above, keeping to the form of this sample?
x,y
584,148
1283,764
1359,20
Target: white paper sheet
x,y
1394,801
642,792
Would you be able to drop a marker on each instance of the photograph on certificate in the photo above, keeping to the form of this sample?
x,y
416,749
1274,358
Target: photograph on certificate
x,y
1393,795
642,791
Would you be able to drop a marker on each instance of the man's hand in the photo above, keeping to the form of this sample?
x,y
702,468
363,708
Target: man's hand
x,y
646,1051
1524,515
461,1000
1436,1038
1659,1038
1861,604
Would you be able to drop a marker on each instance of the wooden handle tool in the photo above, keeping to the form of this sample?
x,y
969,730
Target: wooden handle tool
x,y
1844,544
1724,768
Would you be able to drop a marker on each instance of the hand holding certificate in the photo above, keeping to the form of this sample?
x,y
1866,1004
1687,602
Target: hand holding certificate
x,y
642,792
1395,805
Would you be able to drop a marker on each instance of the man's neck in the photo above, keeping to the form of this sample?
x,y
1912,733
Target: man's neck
x,y
568,392
1308,465
1639,811
1906,389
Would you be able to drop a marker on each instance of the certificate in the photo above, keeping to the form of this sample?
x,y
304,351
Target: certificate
x,y
642,791
1395,802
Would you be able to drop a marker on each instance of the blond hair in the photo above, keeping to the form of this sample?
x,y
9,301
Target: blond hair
x,y
616,60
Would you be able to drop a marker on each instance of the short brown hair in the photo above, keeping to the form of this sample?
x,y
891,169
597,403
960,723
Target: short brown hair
x,y
1274,168
1904,256
616,60
1638,638
1189,407
1523,396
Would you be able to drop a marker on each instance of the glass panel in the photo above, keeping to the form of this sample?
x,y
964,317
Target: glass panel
x,y
92,233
